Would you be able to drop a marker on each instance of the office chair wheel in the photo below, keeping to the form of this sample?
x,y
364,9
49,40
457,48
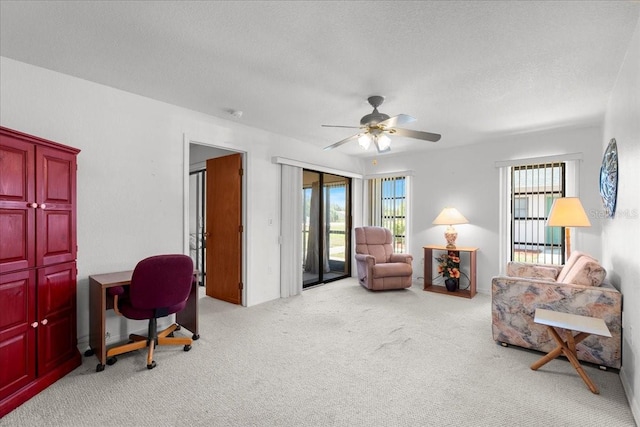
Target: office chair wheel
x,y
187,347
89,352
195,337
112,360
100,367
153,365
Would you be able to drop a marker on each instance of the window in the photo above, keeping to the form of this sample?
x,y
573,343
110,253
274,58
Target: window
x,y
533,189
388,208
520,207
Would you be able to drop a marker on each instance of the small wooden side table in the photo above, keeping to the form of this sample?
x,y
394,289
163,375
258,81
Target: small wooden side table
x,y
428,270
584,325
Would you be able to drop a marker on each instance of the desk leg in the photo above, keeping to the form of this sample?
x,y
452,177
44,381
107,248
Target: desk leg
x,y
188,317
97,320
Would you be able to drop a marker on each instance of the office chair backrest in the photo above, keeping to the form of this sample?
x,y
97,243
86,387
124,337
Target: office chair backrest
x,y
161,281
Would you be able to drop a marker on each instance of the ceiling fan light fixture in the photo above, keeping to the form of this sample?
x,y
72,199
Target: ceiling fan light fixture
x,y
384,142
365,141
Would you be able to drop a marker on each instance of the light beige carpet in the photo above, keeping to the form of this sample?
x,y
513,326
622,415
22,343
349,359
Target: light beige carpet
x,y
338,355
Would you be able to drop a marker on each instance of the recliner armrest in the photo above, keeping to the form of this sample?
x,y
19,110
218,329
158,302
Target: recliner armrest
x,y
366,258
408,258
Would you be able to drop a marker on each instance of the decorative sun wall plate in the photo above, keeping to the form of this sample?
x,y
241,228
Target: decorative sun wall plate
x,y
609,178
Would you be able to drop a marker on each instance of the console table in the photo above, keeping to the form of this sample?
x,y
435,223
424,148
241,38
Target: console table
x,y
428,270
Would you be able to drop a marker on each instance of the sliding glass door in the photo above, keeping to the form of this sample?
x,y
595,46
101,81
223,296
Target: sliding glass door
x,y
326,227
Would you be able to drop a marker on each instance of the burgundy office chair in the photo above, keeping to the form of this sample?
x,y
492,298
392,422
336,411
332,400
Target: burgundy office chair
x,y
160,286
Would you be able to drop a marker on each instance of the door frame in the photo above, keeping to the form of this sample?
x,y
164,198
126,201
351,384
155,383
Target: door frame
x,y
187,142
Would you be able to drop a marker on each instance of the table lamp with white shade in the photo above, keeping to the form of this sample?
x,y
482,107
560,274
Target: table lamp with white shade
x,y
450,217
567,212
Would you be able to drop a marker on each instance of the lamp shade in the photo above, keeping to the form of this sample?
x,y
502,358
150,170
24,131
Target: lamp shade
x,y
450,216
567,212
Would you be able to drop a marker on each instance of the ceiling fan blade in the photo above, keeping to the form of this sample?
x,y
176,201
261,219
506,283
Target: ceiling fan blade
x,y
338,126
344,141
400,119
433,137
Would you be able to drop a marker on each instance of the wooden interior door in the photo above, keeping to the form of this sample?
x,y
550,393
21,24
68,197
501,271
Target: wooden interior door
x,y
223,236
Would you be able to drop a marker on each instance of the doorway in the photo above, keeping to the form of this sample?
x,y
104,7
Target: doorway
x,y
215,217
326,228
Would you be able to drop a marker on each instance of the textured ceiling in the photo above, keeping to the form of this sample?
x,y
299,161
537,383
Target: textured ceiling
x,y
467,70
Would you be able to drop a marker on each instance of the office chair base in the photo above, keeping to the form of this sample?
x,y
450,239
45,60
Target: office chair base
x,y
137,342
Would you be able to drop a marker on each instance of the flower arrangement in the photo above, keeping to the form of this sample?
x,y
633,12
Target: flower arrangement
x,y
449,265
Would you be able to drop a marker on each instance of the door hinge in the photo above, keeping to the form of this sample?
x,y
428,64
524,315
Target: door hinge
x,y
240,286
241,171
241,229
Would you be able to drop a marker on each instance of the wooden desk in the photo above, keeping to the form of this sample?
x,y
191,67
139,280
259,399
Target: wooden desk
x,y
428,270
584,325
99,304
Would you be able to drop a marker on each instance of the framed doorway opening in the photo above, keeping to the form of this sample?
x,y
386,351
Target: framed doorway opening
x,y
196,155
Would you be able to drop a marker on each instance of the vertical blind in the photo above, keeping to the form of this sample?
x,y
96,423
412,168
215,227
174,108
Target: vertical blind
x,y
387,207
533,189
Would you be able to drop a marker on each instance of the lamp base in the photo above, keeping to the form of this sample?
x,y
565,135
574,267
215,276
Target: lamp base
x,y
451,235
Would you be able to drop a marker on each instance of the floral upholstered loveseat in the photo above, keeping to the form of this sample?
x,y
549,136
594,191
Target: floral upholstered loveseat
x,y
578,287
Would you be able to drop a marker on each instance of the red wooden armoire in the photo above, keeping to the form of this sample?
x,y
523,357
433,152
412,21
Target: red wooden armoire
x,y
38,343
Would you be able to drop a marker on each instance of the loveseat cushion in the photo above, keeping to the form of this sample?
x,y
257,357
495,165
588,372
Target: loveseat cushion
x,y
586,271
575,255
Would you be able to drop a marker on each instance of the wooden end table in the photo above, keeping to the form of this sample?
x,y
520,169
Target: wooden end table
x,y
584,325
428,270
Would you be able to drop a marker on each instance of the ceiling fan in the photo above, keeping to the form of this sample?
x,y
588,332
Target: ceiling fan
x,y
375,127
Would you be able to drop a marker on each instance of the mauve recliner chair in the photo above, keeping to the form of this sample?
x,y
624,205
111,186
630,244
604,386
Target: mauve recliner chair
x,y
378,267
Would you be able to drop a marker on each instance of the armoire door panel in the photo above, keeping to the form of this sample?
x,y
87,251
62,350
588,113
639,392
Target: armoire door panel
x,y
56,315
17,245
16,170
56,234
17,199
55,215
17,334
57,186
18,368
55,175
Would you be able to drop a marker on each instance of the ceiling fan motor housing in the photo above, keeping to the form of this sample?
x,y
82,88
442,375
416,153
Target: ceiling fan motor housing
x,y
375,117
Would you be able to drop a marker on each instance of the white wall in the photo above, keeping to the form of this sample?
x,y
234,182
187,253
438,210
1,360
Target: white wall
x,y
620,235
131,173
467,178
